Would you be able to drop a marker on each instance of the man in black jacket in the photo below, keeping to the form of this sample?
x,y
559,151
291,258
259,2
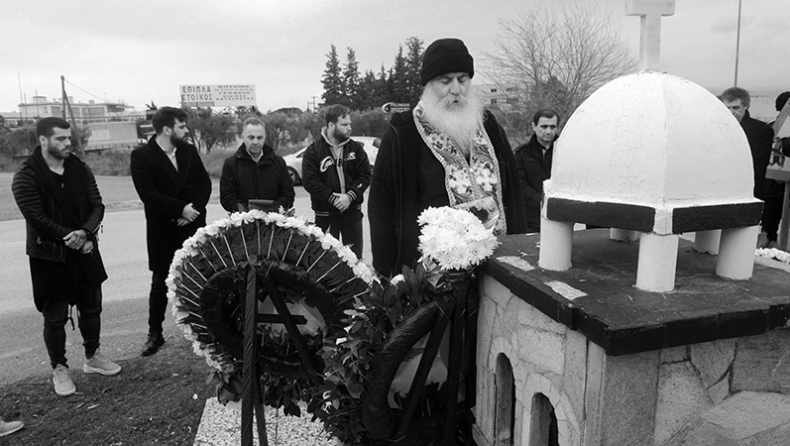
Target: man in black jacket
x,y
336,173
255,172
447,151
782,130
760,137
63,210
533,160
174,188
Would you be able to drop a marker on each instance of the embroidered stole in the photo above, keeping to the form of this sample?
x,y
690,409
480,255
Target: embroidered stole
x,y
474,185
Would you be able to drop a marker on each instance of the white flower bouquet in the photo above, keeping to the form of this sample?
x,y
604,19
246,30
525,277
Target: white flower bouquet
x,y
454,239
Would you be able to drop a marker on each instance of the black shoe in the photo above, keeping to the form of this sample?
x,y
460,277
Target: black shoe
x,y
155,340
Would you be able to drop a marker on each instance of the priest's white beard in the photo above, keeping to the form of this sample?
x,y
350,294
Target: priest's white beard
x,y
457,121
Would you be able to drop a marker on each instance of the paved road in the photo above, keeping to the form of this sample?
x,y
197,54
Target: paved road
x,y
124,320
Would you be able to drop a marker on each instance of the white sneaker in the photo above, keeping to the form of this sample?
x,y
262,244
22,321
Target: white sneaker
x,y
99,364
64,386
9,427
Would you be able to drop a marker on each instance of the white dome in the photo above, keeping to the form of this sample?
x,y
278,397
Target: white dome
x,y
652,139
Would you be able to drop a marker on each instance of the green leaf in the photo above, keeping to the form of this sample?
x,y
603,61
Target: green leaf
x,y
355,390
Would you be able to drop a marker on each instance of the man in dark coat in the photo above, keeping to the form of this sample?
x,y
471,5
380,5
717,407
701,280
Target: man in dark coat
x,y
448,151
760,137
533,160
174,188
336,173
63,210
255,172
782,130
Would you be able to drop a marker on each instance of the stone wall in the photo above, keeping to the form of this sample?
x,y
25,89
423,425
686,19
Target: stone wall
x,y
724,392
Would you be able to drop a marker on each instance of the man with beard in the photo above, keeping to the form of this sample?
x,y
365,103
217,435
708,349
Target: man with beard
x,y
336,172
174,188
255,172
533,160
63,210
447,151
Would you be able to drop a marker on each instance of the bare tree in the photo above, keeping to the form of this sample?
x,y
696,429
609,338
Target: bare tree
x,y
557,57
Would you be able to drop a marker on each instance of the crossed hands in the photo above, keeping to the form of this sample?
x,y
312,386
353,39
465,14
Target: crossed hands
x,y
341,201
78,240
188,215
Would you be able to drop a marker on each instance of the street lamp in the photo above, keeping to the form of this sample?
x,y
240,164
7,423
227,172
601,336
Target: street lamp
x,y
738,42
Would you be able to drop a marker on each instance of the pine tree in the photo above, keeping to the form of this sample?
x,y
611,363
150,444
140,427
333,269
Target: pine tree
x,y
332,79
413,65
367,97
351,81
398,78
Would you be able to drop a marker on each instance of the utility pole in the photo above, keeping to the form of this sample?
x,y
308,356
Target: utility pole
x,y
738,43
66,103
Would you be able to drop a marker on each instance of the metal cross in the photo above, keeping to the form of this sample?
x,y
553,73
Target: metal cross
x,y
651,12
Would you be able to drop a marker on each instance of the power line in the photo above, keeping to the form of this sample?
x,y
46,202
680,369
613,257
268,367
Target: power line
x,y
86,91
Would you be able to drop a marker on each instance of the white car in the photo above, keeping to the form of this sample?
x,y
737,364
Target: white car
x,y
294,160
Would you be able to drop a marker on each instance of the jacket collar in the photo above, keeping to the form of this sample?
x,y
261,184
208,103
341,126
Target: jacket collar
x,y
326,140
268,153
161,158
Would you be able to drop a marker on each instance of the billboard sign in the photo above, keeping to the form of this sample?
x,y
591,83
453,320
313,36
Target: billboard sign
x,y
395,107
218,95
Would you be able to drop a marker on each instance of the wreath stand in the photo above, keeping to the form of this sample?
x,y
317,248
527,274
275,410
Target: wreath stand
x,y
251,393
455,308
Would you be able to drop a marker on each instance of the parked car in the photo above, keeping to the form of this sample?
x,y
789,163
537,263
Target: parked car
x,y
294,160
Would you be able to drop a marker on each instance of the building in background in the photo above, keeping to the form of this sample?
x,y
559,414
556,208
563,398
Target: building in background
x,y
93,111
506,98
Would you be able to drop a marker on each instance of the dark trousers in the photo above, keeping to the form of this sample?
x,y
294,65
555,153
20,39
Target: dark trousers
x,y
157,302
772,214
56,314
348,226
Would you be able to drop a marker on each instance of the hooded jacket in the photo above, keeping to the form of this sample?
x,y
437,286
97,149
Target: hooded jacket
x,y
321,179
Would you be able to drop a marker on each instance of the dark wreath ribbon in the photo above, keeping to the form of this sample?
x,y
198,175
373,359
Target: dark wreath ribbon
x,y
377,416
450,290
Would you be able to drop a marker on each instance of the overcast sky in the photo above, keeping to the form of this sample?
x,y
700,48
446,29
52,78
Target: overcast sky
x,y
139,51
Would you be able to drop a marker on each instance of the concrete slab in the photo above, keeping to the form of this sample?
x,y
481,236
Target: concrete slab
x,y
221,426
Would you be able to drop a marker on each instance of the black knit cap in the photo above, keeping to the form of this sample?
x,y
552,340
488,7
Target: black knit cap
x,y
781,100
446,56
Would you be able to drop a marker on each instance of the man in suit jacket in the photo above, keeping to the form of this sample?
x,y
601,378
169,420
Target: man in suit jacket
x,y
174,188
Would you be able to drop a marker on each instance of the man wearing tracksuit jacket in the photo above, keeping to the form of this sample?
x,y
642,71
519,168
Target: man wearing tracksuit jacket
x,y
336,172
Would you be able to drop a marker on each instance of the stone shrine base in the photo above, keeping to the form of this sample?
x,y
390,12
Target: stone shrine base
x,y
585,357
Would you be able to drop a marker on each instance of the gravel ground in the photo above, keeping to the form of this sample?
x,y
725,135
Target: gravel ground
x,y
221,426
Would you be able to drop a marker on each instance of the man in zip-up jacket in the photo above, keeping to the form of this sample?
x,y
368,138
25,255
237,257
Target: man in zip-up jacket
x,y
336,172
255,172
533,161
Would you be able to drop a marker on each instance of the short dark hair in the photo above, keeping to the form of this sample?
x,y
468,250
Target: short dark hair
x,y
734,93
781,100
166,117
46,126
545,113
335,112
